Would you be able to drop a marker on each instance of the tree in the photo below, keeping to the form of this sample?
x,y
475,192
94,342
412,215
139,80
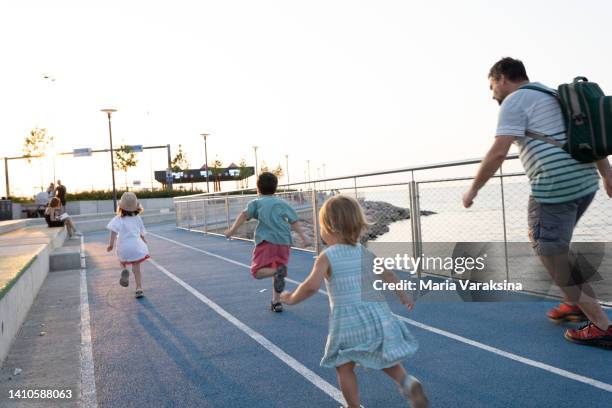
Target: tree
x,y
125,157
278,171
244,174
216,171
180,161
264,168
35,145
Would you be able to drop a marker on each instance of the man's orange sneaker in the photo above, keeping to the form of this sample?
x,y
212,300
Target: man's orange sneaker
x,y
566,313
591,335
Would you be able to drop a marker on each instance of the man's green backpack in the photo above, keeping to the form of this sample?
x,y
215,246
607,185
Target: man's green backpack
x,y
588,119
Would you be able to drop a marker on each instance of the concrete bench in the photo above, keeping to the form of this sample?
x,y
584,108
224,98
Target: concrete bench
x,y
24,264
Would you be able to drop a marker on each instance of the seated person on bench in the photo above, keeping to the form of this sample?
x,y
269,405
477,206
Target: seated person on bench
x,y
55,219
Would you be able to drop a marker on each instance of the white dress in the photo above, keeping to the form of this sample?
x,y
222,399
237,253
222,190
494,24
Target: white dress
x,y
130,247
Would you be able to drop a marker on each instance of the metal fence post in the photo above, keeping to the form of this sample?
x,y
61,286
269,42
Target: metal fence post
x,y
315,221
415,222
501,182
227,211
205,217
176,213
189,215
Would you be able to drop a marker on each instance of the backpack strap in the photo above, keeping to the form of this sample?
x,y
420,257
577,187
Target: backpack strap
x,y
544,138
540,89
537,135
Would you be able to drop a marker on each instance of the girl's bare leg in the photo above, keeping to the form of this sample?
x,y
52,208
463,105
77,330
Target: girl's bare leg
x,y
137,276
348,384
396,372
416,394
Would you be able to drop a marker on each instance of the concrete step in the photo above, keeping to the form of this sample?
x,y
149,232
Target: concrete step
x,y
11,225
67,257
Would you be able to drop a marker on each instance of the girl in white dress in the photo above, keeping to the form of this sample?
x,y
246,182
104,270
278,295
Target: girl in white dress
x,y
128,230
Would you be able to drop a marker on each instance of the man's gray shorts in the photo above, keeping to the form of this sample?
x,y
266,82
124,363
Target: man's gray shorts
x,y
551,225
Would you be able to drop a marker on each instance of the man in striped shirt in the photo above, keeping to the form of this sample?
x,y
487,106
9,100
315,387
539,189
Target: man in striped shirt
x,y
561,190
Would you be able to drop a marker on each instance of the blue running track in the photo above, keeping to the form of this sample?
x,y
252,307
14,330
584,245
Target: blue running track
x,y
203,337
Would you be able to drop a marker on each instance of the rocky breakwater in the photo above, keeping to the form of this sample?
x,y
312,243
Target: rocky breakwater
x,y
379,213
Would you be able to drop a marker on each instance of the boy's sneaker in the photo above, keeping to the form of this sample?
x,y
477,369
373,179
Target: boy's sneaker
x,y
125,278
566,313
279,278
591,335
276,307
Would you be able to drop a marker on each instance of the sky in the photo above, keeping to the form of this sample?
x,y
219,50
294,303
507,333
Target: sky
x,y
359,86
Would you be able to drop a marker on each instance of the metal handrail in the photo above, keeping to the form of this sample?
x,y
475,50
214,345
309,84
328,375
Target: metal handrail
x,y
355,176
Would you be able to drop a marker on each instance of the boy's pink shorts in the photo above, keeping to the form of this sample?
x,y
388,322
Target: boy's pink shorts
x,y
269,255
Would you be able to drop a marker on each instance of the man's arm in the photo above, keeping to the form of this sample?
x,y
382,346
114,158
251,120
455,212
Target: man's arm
x,y
489,165
603,166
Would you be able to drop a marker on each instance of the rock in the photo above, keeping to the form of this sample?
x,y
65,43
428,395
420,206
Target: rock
x,y
380,213
17,371
43,333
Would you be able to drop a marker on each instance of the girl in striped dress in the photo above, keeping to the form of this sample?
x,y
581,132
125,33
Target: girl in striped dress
x,y
362,329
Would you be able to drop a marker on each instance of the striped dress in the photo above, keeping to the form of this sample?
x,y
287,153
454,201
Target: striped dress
x,y
554,176
364,332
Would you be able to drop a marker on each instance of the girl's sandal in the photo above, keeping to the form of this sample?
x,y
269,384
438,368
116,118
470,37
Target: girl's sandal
x,y
139,293
276,307
412,389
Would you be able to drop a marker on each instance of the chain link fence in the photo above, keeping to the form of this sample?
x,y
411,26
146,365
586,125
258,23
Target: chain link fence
x,y
496,223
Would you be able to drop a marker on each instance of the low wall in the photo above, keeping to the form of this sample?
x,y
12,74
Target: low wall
x,y
99,224
88,207
17,298
106,206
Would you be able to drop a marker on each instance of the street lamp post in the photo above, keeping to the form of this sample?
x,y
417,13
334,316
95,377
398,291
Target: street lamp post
x,y
50,80
308,169
205,136
255,150
324,176
109,112
287,168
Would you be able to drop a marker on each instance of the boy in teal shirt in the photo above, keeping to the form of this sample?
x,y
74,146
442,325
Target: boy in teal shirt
x,y
276,218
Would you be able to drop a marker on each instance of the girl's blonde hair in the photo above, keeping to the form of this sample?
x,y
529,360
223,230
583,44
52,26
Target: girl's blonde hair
x,y
124,213
343,216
